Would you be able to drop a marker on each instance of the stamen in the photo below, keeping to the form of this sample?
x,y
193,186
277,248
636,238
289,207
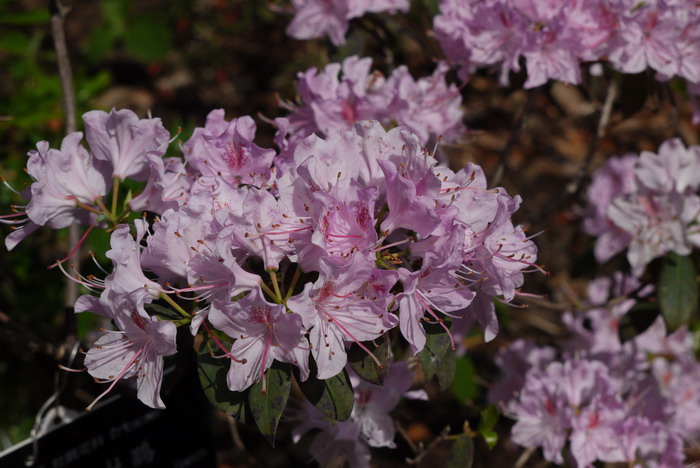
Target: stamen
x,y
218,343
7,184
121,374
408,239
68,369
440,321
363,347
75,249
264,360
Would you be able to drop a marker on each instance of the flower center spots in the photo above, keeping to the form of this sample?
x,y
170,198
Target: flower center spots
x,y
138,319
260,314
326,291
234,155
362,216
593,420
363,397
349,112
549,406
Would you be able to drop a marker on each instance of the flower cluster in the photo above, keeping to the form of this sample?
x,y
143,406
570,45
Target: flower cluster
x,y
554,37
316,18
342,94
369,425
647,204
612,401
373,233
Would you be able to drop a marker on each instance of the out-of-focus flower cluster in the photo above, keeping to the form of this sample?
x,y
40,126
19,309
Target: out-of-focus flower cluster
x,y
646,203
607,400
341,94
555,36
368,426
289,257
317,18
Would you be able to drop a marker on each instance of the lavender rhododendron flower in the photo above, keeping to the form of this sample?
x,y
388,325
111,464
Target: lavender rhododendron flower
x,y
263,334
647,204
287,260
342,94
316,18
63,179
369,425
608,400
123,140
136,350
555,37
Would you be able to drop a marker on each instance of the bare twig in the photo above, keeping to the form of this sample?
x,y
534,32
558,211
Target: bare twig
x,y
524,457
235,435
59,9
515,136
573,188
407,438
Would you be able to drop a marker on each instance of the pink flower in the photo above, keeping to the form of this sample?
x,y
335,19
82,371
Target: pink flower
x,y
428,106
226,149
373,404
263,333
335,314
135,351
123,140
315,18
168,186
63,178
125,254
343,226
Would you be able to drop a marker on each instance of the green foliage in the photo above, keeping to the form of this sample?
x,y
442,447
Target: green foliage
x,y
437,346
268,398
212,375
678,290
462,452
363,364
489,418
148,38
464,386
333,397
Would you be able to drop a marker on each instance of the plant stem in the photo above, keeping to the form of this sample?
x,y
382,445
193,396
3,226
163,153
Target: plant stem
x,y
292,285
104,209
59,10
267,290
175,305
89,208
275,285
115,195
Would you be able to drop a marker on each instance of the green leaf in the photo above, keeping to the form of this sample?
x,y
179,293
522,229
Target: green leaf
x,y
489,417
446,370
490,437
333,397
212,375
436,345
165,312
678,290
363,364
148,39
267,407
464,386
26,18
14,43
432,6
462,452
